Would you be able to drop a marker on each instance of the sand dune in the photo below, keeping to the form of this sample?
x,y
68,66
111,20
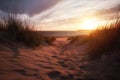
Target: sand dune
x,y
61,61
57,62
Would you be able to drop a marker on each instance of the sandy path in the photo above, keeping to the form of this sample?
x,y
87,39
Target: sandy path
x,y
60,61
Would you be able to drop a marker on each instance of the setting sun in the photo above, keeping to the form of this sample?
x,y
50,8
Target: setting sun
x,y
89,24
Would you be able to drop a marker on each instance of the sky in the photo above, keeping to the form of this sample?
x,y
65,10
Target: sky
x,y
59,15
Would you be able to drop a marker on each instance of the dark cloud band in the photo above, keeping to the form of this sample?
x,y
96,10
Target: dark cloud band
x,y
26,6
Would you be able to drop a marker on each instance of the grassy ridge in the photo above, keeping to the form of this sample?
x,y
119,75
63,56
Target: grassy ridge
x,y
18,31
104,40
101,41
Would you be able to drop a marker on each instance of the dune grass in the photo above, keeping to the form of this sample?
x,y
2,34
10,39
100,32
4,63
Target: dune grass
x,y
103,41
2,28
81,39
19,31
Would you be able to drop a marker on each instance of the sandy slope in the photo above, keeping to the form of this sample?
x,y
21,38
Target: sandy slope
x,y
60,61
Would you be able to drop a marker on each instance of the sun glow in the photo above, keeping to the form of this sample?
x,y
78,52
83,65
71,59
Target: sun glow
x,y
90,23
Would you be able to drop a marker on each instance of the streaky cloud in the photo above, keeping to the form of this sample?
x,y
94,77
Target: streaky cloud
x,y
26,6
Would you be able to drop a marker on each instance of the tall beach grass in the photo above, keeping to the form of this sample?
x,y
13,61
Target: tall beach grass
x,y
80,40
104,40
19,31
101,41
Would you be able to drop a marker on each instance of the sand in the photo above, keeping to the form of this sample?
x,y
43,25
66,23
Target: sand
x,y
60,61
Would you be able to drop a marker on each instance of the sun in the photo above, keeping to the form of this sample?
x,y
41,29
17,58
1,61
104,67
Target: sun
x,y
89,24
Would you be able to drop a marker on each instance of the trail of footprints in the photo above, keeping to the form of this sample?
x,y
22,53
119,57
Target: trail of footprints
x,y
65,63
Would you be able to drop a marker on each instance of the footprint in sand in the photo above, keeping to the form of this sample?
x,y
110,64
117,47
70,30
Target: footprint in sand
x,y
56,75
48,67
57,57
62,64
25,72
54,56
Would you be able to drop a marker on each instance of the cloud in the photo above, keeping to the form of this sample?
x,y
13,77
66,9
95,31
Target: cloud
x,y
67,9
111,10
26,6
2,14
109,13
57,13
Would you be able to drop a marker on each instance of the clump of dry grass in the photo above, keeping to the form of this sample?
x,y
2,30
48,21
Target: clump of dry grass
x,y
18,31
101,41
49,40
81,39
2,28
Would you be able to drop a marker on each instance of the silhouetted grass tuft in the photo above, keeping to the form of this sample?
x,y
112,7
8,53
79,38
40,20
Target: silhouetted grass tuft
x,y
78,39
101,41
49,40
104,40
18,31
2,26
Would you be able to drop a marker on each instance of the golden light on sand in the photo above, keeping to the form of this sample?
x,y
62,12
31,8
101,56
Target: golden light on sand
x,y
89,24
